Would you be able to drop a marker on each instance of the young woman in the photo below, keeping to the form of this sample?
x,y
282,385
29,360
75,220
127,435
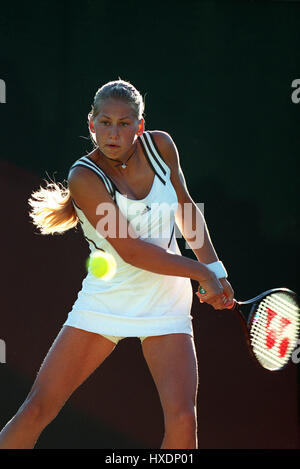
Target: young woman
x,y
127,195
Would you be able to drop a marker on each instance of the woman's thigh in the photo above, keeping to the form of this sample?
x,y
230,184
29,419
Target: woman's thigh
x,y
74,355
173,364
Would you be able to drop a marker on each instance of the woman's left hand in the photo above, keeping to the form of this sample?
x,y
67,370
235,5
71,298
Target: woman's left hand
x,y
228,295
228,292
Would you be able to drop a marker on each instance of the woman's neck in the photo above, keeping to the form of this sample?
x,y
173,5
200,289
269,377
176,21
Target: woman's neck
x,y
119,167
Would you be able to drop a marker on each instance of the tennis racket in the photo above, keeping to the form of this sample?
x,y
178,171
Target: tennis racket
x,y
271,325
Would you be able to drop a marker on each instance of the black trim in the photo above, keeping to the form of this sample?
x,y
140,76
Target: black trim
x,y
155,146
93,165
102,177
75,204
93,242
150,164
171,235
153,154
104,174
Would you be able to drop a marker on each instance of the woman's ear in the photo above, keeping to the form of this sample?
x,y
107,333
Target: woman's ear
x,y
91,124
141,127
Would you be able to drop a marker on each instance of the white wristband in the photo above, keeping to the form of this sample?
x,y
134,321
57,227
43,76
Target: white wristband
x,y
218,269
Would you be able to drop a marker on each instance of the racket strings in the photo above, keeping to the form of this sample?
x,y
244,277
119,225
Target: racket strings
x,y
274,330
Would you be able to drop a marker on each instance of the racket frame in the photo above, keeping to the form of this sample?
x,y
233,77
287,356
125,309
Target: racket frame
x,y
246,319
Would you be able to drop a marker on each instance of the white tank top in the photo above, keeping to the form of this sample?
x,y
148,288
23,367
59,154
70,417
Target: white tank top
x,y
136,302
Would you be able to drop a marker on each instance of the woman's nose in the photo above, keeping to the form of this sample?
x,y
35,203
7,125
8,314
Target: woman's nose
x,y
114,131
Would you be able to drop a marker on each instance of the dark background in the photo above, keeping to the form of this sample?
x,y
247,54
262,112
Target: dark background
x,y
217,76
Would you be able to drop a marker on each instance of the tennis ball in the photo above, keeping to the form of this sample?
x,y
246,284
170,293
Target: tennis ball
x,y
102,265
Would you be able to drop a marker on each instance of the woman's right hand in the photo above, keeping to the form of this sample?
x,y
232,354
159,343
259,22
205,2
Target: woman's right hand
x,y
214,292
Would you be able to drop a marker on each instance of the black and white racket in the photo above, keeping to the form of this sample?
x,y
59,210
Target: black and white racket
x,y
271,325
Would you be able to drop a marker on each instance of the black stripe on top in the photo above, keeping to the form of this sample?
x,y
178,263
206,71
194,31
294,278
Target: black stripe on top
x,y
148,139
99,170
109,181
108,184
150,162
171,235
95,245
75,204
155,146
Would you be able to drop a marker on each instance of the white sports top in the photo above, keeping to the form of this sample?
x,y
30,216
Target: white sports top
x,y
135,302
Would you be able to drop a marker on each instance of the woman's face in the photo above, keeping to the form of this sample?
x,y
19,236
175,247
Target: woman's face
x,y
115,128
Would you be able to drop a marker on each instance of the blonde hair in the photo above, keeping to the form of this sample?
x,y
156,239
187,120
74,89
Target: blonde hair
x,y
52,209
117,89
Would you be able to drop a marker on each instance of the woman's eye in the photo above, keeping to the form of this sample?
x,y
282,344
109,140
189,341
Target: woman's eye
x,y
106,123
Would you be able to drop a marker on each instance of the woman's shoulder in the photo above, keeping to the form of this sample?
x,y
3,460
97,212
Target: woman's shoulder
x,y
166,146
82,161
164,138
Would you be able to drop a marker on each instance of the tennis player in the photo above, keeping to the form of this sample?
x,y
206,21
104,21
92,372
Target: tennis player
x,y
127,195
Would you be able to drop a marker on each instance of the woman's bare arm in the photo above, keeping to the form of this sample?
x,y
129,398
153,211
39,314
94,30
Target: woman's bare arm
x,y
189,218
89,193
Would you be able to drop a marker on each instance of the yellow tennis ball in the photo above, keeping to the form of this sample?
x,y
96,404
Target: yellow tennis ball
x,y
102,265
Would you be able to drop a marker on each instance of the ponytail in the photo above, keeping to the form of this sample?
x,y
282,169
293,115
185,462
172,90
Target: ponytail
x,y
52,209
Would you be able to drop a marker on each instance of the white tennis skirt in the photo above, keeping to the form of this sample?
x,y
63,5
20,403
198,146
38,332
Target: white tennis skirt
x,y
147,304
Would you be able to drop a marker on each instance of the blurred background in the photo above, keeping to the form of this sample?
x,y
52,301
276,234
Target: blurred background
x,y
216,75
